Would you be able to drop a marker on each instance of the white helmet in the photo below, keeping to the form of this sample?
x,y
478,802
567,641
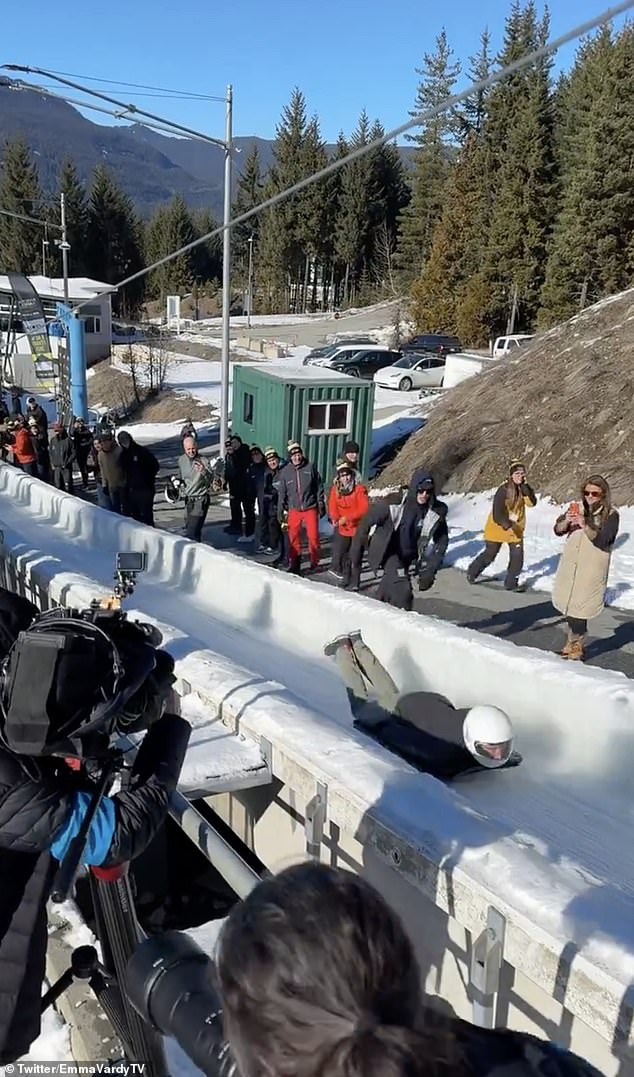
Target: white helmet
x,y
488,734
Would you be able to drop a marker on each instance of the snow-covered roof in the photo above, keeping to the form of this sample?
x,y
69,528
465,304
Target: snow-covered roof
x,y
314,373
53,287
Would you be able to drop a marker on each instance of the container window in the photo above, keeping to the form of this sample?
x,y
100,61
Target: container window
x,y
331,418
92,324
247,408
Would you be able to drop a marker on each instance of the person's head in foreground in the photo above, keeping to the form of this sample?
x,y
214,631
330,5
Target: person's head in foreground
x,y
319,979
488,734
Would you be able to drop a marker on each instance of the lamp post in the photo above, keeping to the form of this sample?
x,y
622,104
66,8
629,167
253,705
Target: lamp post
x,y
250,282
226,277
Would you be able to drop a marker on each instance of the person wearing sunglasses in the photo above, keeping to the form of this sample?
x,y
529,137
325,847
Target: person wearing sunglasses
x,y
591,529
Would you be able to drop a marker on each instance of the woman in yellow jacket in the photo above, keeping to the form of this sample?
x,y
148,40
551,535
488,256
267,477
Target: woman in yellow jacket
x,y
505,527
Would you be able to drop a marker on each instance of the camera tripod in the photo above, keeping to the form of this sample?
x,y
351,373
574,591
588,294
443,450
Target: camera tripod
x,y
118,933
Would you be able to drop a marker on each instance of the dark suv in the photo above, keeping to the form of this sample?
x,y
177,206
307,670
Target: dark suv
x,y
438,343
364,363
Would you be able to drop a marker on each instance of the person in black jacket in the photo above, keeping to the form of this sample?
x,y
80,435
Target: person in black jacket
x,y
83,446
302,499
141,468
62,455
257,474
271,533
42,805
241,495
36,411
422,727
401,532
40,443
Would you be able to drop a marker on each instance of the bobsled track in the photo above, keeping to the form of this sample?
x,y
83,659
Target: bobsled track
x,y
549,845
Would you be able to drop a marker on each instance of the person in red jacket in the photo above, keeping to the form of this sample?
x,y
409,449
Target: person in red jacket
x,y
24,452
347,505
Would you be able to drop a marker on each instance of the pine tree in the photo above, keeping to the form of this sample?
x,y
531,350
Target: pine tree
x,y
334,269
207,257
156,247
592,242
280,252
114,248
473,113
445,293
312,217
391,196
20,241
443,296
520,137
433,158
248,195
76,217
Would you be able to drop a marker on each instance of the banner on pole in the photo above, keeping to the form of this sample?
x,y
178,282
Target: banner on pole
x,y
31,313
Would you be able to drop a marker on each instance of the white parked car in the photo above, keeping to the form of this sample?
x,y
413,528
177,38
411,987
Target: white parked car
x,y
504,345
413,371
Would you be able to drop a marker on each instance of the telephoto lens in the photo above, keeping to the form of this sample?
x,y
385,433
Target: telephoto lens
x,y
170,982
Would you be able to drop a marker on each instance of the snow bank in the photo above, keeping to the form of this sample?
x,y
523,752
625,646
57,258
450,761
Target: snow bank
x,y
551,840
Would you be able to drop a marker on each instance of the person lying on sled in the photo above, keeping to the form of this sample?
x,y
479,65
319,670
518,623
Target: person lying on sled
x,y
423,728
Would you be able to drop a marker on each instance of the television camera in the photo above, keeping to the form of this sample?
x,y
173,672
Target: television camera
x,y
76,678
73,685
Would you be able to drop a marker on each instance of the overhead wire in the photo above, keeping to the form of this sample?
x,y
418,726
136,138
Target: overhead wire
x,y
136,85
449,102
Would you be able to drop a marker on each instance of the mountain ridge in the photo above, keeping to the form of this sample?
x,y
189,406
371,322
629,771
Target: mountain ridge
x,y
150,167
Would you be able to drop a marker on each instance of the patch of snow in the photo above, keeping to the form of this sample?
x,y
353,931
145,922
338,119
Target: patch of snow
x,y
390,429
153,433
52,1044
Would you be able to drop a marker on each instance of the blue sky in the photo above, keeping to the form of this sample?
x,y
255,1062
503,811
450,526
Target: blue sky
x,y
344,54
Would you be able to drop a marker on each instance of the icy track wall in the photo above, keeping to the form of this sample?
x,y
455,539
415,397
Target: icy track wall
x,y
575,723
249,641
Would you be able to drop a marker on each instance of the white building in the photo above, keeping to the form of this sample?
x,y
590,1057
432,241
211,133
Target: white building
x,y
96,315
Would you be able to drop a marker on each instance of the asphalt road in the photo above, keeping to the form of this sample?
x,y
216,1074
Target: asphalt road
x,y
315,330
528,619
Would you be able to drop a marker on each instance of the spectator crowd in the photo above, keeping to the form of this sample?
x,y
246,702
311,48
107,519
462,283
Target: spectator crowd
x,y
123,473
278,501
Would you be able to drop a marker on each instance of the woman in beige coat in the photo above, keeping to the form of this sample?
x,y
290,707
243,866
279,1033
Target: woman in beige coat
x,y
579,590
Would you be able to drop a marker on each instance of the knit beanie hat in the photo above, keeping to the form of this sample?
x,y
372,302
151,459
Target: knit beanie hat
x,y
294,445
351,446
270,451
515,465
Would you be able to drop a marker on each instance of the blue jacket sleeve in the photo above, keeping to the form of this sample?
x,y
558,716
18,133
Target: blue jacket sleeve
x,y
100,834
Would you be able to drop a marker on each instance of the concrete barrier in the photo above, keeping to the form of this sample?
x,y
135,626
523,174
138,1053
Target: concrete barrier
x,y
442,856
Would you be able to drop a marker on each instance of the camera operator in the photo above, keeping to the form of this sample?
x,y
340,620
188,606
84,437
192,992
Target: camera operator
x,y
48,718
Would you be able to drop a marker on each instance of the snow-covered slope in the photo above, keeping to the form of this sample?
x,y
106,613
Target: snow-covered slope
x,y
551,840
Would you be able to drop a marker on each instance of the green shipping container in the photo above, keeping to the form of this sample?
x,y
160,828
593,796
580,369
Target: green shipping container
x,y
321,409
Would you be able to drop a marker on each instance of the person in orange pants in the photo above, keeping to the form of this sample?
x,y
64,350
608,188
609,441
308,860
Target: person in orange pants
x,y
301,498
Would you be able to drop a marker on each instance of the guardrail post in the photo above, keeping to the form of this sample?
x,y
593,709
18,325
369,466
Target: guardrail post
x,y
314,821
486,964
